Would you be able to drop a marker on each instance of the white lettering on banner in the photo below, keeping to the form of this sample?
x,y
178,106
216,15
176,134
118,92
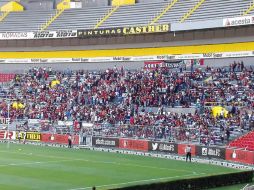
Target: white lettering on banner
x,y
105,142
55,34
67,123
11,135
16,35
38,35
238,21
84,124
33,121
211,152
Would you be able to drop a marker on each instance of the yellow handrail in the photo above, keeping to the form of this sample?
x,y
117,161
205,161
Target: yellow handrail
x,y
46,25
189,13
251,7
169,6
3,16
99,23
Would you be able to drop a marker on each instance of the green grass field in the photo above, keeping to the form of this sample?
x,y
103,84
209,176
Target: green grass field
x,y
25,167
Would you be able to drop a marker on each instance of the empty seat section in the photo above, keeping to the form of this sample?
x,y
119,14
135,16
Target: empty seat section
x,y
134,15
25,21
212,9
79,18
177,11
246,142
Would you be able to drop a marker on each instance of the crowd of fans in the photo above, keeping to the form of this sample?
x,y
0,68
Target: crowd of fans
x,y
120,102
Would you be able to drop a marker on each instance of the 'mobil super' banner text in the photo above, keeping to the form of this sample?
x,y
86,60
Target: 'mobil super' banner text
x,y
123,31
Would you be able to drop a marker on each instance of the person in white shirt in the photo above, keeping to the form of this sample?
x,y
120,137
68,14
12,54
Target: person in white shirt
x,y
19,136
188,153
24,141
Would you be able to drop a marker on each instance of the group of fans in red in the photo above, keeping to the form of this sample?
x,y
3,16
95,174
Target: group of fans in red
x,y
122,100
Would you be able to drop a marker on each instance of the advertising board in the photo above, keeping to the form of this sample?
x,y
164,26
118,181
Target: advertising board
x,y
105,142
131,144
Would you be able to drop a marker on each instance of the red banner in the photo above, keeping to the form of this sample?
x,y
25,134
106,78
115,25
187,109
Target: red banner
x,y
58,138
131,144
242,156
4,77
5,135
152,65
2,134
181,149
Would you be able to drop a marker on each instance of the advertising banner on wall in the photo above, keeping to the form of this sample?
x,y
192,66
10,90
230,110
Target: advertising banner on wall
x,y
16,35
162,147
238,21
157,58
55,34
5,135
242,156
131,144
31,136
210,152
2,134
38,35
123,31
182,147
58,138
4,121
105,142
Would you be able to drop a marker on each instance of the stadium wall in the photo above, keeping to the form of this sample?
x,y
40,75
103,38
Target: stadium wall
x,y
219,35
172,50
20,68
143,146
203,152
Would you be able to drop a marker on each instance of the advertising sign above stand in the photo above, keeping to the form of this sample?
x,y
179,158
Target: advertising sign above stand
x,y
38,35
218,55
238,21
123,31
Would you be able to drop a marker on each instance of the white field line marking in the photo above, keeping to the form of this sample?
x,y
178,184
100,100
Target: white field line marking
x,y
34,163
102,162
138,181
245,186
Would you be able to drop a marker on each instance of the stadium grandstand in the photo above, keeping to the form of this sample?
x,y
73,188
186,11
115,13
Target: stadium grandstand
x,y
138,87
